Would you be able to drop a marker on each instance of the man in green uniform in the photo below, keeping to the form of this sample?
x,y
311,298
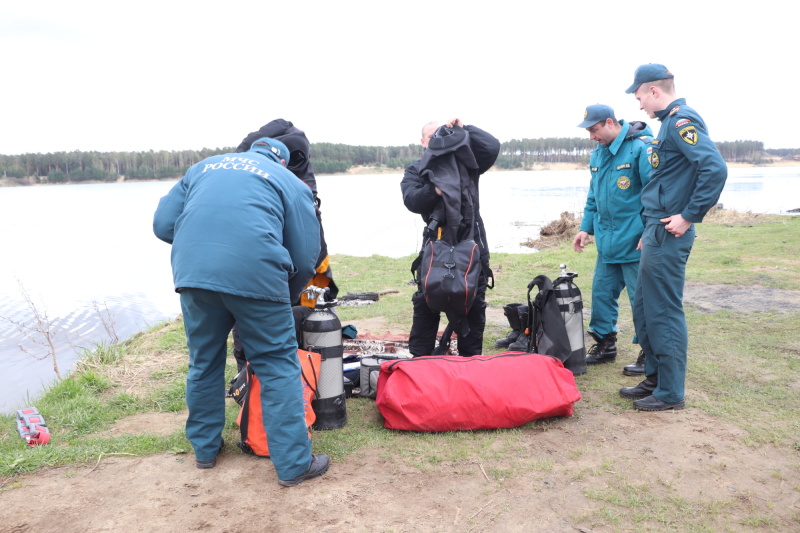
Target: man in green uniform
x,y
620,169
687,177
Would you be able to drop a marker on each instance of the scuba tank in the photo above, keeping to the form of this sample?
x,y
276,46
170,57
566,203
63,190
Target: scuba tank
x,y
570,303
322,334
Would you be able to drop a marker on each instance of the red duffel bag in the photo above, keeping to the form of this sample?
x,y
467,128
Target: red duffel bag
x,y
450,393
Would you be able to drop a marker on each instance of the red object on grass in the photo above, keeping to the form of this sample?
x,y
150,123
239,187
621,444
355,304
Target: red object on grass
x,y
448,393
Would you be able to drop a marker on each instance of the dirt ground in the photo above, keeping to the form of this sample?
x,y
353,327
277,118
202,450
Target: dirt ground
x,y
555,483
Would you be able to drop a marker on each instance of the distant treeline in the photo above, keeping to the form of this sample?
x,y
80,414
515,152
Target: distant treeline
x,y
328,158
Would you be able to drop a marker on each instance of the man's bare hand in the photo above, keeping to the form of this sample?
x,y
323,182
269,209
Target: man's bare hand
x,y
676,225
579,242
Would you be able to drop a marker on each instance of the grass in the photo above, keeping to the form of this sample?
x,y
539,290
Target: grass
x,y
746,251
743,369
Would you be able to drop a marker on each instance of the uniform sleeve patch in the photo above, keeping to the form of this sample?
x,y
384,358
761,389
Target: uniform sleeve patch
x,y
682,122
689,134
654,160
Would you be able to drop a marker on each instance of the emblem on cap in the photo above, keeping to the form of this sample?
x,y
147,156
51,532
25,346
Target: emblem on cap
x,y
623,182
689,134
586,114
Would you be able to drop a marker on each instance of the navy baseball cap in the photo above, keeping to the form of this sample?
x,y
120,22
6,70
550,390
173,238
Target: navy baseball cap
x,y
272,148
596,113
649,72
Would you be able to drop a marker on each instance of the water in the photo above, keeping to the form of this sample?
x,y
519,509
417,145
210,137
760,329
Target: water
x,y
762,190
374,221
74,247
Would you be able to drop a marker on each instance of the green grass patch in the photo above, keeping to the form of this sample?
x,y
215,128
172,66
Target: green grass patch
x,y
743,370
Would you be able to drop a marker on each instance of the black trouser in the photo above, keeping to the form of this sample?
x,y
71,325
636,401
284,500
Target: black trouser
x,y
425,325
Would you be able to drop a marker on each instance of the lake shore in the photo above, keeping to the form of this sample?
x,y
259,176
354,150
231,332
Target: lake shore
x,y
728,462
377,170
368,169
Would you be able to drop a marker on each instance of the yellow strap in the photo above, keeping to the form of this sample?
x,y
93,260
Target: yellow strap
x,y
320,279
323,266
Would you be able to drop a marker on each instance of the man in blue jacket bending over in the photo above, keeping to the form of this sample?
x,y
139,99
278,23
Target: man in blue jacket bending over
x,y
245,240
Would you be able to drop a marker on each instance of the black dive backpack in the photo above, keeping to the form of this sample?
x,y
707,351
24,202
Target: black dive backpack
x,y
551,311
449,275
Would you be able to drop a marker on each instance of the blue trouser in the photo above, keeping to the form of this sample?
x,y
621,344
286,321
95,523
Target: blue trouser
x,y
268,335
607,284
658,308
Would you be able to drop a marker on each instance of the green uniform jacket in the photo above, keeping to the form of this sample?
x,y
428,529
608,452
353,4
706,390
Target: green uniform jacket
x,y
688,171
240,224
614,206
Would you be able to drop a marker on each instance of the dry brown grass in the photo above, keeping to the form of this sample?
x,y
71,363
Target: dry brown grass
x,y
565,228
735,218
145,365
557,231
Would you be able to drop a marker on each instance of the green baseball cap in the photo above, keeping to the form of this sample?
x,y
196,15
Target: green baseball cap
x,y
272,148
649,72
596,113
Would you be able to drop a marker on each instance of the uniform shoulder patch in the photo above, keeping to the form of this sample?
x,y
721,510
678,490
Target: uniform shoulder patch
x,y
654,159
689,135
682,122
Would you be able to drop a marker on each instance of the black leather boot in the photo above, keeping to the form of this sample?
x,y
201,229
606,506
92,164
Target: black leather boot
x,y
604,351
642,390
521,344
637,368
651,403
512,315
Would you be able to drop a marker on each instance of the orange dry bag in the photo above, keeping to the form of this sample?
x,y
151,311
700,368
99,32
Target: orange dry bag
x,y
250,421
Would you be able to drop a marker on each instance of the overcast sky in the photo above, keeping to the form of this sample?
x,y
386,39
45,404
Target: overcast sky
x,y
174,75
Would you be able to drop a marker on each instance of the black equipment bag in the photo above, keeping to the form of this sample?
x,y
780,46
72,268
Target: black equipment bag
x,y
570,303
449,276
547,329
